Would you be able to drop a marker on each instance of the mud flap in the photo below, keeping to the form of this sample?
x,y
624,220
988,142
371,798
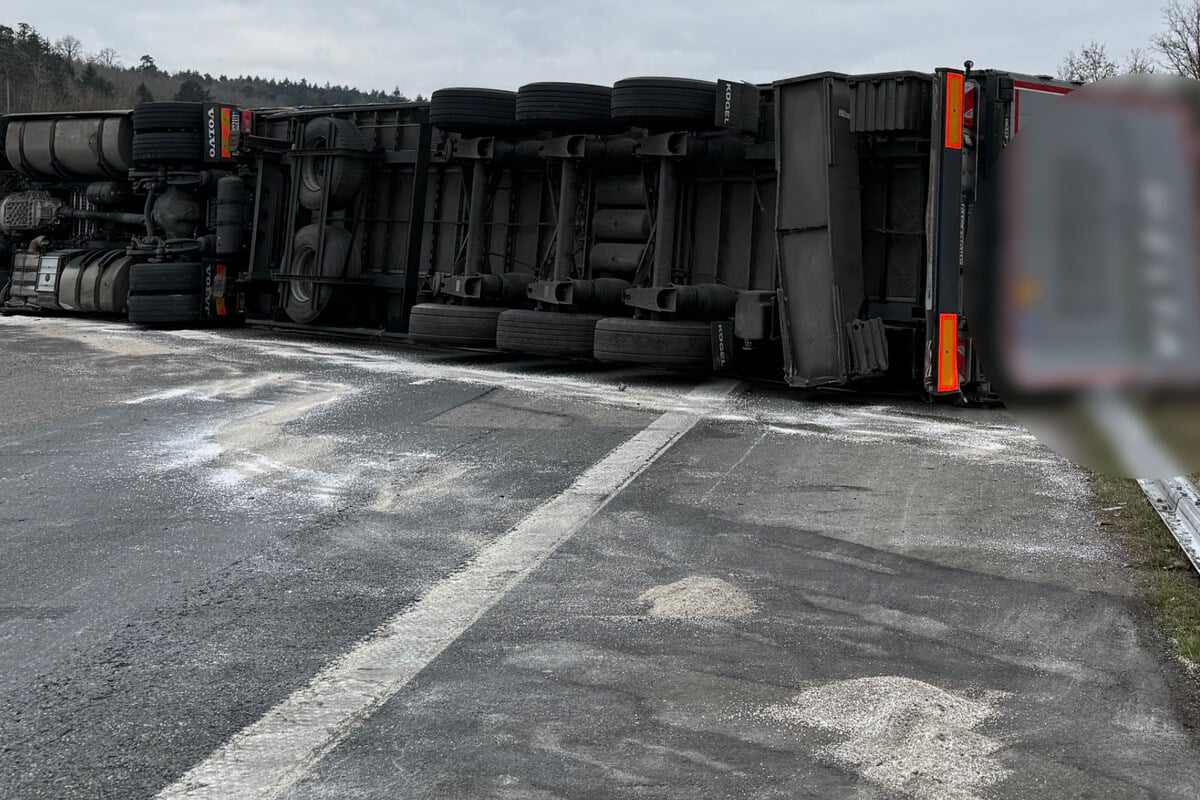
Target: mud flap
x,y
722,344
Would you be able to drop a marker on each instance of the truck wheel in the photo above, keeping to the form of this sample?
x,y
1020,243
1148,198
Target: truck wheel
x,y
547,333
168,147
161,309
665,102
565,106
473,111
662,343
346,173
168,116
176,278
308,300
457,326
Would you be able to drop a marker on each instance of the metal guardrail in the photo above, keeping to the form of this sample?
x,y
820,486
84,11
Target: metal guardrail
x,y
1140,452
1178,504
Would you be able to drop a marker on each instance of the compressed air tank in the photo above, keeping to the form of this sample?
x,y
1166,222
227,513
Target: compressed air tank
x,y
74,147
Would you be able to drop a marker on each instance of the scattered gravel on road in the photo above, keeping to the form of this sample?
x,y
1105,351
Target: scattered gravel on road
x,y
903,735
698,597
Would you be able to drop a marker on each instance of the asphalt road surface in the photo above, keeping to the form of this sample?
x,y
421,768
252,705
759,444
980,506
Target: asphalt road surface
x,y
241,564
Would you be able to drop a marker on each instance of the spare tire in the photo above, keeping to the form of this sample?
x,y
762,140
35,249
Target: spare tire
x,y
175,147
677,344
473,111
307,301
665,102
346,173
457,326
169,116
565,106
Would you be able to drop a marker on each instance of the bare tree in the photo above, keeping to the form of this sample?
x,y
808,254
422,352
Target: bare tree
x,y
1179,44
1090,64
69,47
1139,62
107,57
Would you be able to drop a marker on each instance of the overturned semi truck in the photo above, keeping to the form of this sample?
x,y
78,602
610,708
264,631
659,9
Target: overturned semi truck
x,y
809,230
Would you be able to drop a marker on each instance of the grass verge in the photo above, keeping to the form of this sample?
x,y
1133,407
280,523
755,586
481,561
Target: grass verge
x,y
1170,583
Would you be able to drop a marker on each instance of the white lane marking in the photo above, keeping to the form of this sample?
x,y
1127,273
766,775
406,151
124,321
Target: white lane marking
x,y
267,758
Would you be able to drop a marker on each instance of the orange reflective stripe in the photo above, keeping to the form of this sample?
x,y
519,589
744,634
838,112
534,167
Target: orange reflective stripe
x,y
226,129
954,111
947,380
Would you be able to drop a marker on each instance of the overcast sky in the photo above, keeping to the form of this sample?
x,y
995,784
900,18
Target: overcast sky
x,y
376,44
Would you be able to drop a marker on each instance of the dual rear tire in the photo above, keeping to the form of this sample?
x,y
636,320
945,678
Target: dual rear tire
x,y
166,294
652,102
672,344
675,344
455,326
547,333
168,133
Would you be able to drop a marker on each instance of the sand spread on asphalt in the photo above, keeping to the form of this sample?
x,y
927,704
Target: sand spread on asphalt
x,y
698,597
903,735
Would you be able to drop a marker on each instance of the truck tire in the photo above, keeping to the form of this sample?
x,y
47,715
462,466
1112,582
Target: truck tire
x,y
174,278
168,147
307,301
665,102
164,309
565,106
346,173
677,344
457,326
168,116
547,333
467,110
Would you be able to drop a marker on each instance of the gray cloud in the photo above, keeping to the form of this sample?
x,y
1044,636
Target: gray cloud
x,y
422,46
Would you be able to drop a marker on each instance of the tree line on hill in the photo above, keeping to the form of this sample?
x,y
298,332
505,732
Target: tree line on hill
x,y
1173,50
39,75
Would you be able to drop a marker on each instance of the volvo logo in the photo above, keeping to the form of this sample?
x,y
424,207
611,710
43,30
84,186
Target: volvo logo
x,y
212,132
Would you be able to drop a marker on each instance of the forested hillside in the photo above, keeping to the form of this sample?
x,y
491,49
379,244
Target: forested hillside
x,y
39,75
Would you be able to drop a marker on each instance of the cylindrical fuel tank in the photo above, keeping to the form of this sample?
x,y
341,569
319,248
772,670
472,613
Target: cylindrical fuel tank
x,y
94,280
77,147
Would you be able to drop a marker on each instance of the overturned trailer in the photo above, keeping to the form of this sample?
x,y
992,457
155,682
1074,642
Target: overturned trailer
x,y
809,230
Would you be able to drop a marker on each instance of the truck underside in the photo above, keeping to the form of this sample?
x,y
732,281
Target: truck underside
x,y
808,230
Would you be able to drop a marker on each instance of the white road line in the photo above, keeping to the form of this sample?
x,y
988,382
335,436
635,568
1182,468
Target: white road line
x,y
267,758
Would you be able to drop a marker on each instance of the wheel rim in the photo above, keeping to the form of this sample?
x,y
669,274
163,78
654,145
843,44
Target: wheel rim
x,y
302,291
314,165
